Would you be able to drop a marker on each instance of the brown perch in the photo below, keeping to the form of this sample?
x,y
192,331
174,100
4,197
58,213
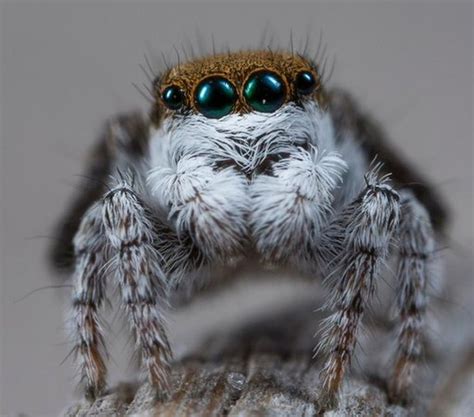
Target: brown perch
x,y
266,369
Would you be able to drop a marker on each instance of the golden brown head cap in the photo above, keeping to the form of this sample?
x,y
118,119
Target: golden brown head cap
x,y
235,73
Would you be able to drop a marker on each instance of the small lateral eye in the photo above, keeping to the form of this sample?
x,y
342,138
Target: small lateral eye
x,y
305,82
265,91
215,97
173,97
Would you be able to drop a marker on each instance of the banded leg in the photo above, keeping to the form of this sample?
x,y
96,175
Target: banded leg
x,y
416,243
89,288
135,265
359,241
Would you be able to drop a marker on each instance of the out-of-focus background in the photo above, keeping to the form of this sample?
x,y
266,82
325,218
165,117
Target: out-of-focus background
x,y
66,67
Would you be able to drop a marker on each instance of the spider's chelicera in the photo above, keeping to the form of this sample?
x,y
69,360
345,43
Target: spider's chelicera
x,y
266,164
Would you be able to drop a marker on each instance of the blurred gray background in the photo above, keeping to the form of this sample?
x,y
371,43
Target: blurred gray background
x,y
66,67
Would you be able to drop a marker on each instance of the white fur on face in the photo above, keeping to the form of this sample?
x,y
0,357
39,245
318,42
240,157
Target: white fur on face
x,y
246,139
223,208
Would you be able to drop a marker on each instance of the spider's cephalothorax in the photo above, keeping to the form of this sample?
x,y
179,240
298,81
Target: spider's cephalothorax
x,y
245,156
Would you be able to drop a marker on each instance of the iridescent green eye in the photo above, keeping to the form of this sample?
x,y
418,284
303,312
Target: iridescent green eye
x,y
305,82
265,91
215,97
173,97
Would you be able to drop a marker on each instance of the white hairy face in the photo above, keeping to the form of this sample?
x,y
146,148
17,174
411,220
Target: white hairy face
x,y
246,179
243,140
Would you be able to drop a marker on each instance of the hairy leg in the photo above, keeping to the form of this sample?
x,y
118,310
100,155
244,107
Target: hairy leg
x,y
88,297
353,247
416,243
135,264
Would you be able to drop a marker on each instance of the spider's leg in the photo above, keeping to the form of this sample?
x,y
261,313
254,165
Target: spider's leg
x,y
135,265
353,246
416,243
88,296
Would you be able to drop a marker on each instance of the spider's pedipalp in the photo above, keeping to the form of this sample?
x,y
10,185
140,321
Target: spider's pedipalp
x,y
301,190
206,205
358,240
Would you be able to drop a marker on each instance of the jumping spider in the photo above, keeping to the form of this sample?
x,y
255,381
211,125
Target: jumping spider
x,y
247,155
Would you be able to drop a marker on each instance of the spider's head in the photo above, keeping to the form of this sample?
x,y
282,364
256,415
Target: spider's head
x,y
241,82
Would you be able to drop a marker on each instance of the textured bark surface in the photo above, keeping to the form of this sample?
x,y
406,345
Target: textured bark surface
x,y
266,369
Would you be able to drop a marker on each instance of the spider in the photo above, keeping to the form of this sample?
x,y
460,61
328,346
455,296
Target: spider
x,y
248,157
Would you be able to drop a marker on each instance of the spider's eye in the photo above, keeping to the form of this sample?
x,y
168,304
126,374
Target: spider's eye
x,y
265,91
173,97
305,82
215,97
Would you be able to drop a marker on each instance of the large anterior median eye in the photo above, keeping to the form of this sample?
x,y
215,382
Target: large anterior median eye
x,y
265,91
173,97
215,97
